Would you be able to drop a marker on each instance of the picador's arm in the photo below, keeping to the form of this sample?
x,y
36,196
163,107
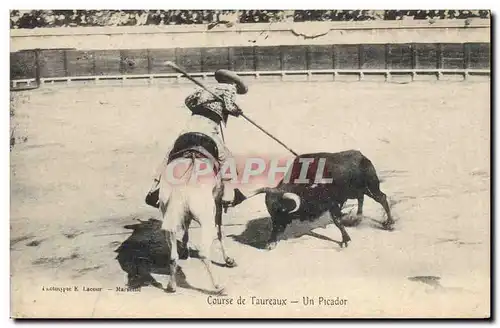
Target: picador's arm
x,y
229,97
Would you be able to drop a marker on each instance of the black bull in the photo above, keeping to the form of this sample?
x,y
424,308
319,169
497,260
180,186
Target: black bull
x,y
352,176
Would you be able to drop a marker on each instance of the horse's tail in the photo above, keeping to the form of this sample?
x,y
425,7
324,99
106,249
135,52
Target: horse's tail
x,y
153,196
189,169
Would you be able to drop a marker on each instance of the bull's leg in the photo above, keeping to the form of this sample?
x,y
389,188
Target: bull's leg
x,y
373,191
381,198
336,214
279,226
230,262
360,204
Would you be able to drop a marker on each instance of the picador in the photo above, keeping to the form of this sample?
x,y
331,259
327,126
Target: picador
x,y
179,204
209,115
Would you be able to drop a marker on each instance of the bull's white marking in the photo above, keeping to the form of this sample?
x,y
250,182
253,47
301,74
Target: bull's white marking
x,y
295,198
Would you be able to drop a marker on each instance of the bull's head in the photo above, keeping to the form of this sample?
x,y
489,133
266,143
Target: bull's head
x,y
278,200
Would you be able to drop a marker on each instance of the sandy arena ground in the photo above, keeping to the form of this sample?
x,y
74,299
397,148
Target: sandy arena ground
x,y
85,155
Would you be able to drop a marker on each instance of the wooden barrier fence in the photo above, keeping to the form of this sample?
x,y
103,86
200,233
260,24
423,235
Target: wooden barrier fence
x,y
72,65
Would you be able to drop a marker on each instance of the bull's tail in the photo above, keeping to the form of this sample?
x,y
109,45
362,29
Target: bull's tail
x,y
370,177
263,190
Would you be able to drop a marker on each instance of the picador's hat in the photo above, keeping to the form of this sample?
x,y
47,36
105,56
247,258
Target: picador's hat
x,y
226,76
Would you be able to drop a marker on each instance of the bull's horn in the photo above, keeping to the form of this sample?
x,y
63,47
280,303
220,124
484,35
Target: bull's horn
x,y
295,198
261,191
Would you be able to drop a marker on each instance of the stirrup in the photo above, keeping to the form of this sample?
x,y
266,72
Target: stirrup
x,y
239,197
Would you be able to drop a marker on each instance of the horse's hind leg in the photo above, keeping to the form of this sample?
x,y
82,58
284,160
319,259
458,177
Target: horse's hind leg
x,y
184,249
173,211
174,258
230,262
203,208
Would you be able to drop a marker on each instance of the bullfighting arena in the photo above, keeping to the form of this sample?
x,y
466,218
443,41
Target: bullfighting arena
x,y
84,158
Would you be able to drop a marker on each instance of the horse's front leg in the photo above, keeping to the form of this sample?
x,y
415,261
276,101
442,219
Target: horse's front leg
x,y
230,262
218,195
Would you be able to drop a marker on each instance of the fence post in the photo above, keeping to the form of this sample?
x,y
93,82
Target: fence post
x,y
414,56
334,57
414,60
176,55
37,66
255,59
334,61
440,60
230,58
467,51
387,56
148,54
65,63
467,55
439,55
361,56
122,62
361,60
386,61
202,60
282,60
93,53
308,58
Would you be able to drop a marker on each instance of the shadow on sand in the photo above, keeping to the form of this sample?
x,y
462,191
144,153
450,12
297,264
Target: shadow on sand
x,y
145,252
258,231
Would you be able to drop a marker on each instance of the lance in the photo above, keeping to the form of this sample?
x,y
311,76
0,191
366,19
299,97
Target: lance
x,y
176,68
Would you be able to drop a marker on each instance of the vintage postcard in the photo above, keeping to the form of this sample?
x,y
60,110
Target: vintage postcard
x,y
250,163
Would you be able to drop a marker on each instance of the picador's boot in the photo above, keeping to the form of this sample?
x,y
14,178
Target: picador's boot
x,y
182,247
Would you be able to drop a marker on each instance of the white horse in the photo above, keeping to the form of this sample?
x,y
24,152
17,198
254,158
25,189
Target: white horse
x,y
191,196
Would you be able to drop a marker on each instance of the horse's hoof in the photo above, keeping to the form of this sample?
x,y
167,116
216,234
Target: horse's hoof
x,y
345,242
170,289
230,262
220,291
271,246
141,280
388,225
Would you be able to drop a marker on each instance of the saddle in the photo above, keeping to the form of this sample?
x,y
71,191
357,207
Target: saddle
x,y
196,142
187,145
